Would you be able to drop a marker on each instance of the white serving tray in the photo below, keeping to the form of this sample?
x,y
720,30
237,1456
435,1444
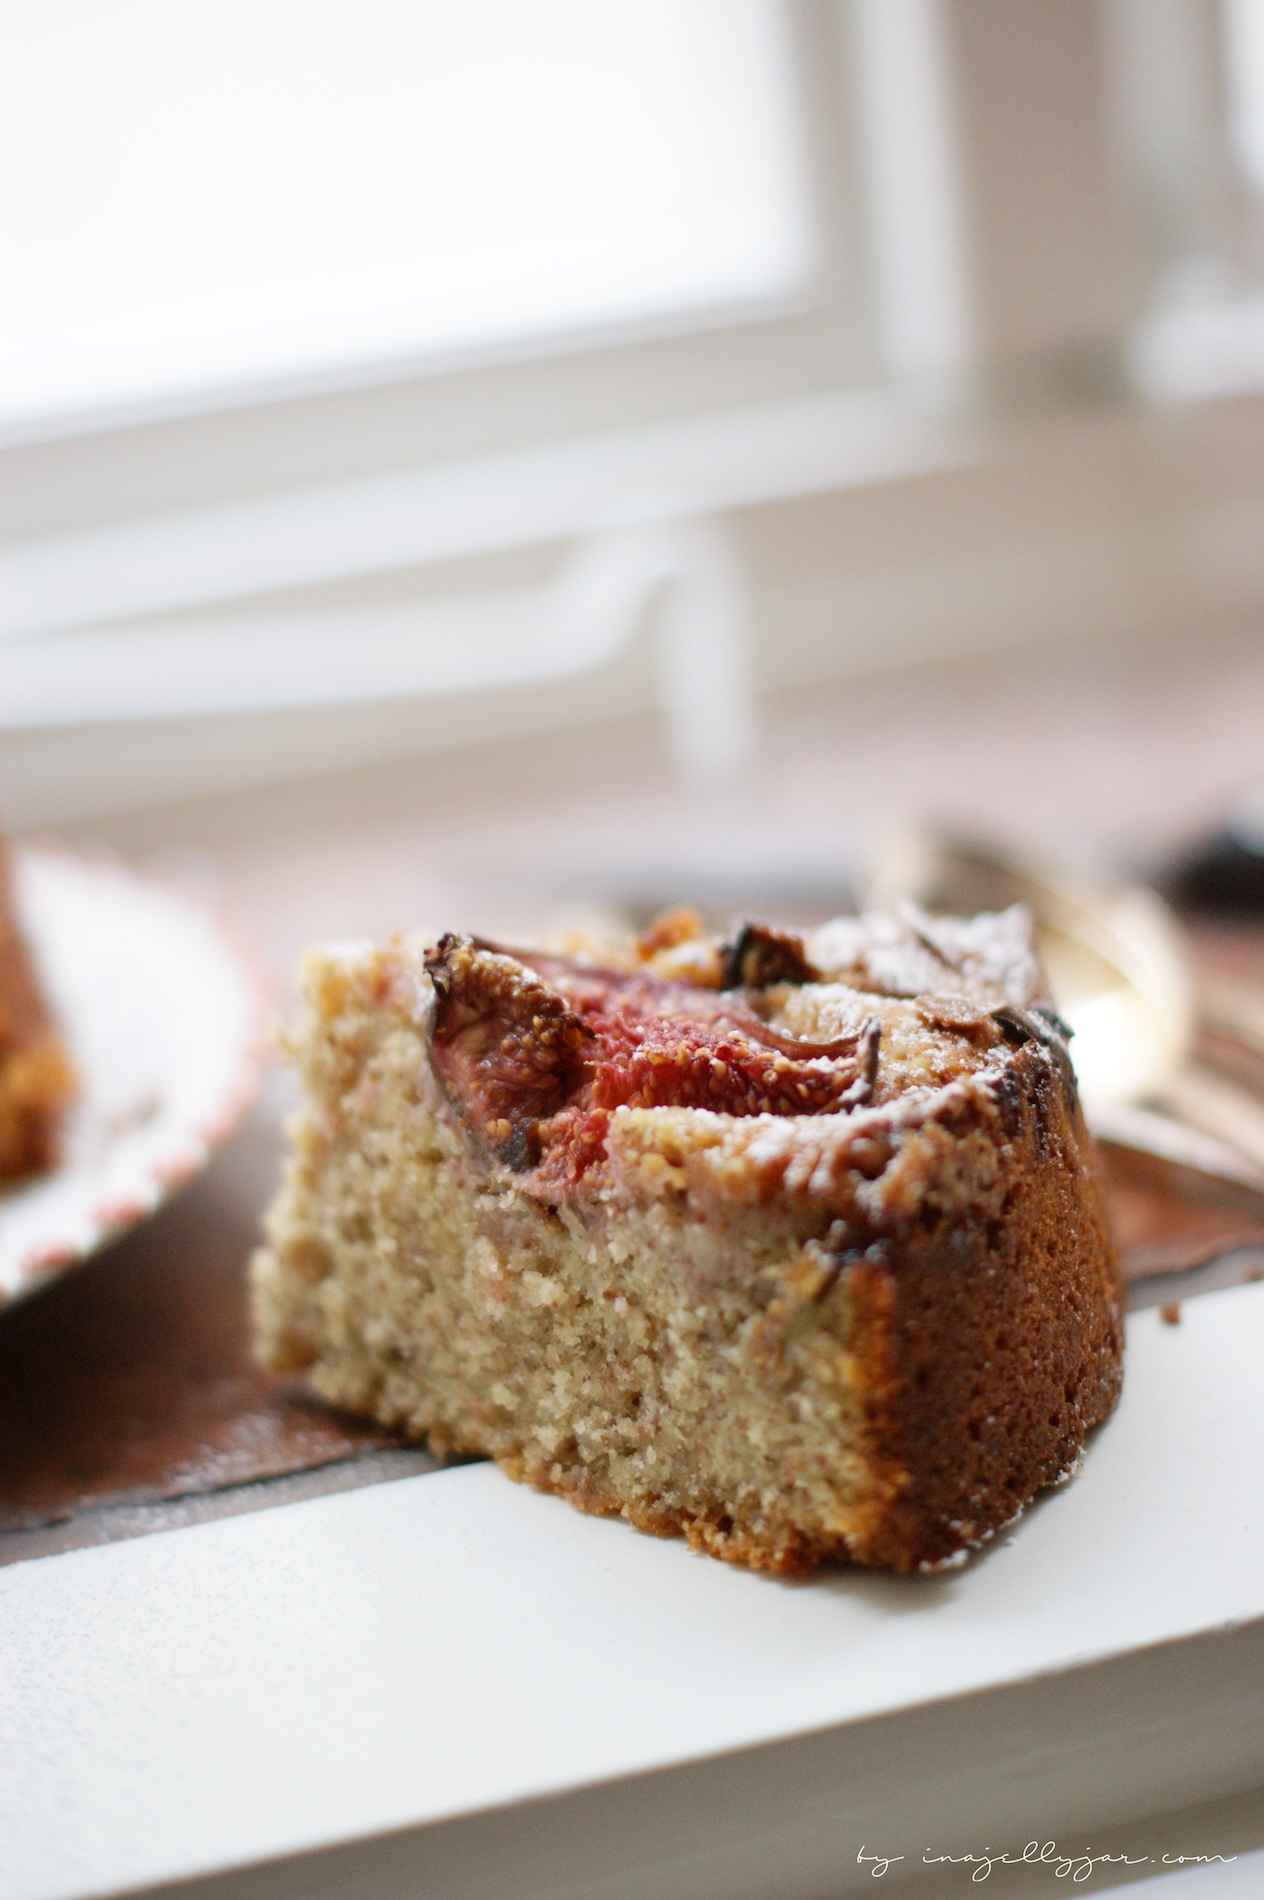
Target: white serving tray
x,y
396,1675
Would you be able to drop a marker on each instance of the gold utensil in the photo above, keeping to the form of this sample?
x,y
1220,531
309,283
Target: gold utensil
x,y
1120,975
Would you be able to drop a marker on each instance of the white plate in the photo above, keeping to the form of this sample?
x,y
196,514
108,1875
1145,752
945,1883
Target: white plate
x,y
165,1019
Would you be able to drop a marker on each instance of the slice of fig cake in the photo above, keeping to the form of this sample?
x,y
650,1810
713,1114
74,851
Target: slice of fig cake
x,y
793,1245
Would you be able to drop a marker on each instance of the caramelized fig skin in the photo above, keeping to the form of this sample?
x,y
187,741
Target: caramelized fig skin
x,y
505,1048
759,956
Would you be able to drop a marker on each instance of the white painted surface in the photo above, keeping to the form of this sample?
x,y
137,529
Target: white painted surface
x,y
917,203
356,1663
672,471
1240,1878
499,639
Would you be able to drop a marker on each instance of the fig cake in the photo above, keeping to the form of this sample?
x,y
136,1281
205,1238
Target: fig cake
x,y
789,1243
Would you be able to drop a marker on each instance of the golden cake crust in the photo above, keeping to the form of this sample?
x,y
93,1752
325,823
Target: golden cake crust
x,y
871,1331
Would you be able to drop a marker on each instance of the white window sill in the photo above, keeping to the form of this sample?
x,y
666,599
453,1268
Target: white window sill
x,y
433,1655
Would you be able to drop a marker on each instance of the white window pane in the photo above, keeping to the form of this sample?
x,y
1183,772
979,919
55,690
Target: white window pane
x,y
199,194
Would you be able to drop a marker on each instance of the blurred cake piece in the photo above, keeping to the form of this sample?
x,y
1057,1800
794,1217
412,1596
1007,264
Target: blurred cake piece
x,y
36,1079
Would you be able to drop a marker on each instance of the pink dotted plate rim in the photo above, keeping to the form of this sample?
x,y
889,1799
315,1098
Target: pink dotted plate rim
x,y
190,1148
